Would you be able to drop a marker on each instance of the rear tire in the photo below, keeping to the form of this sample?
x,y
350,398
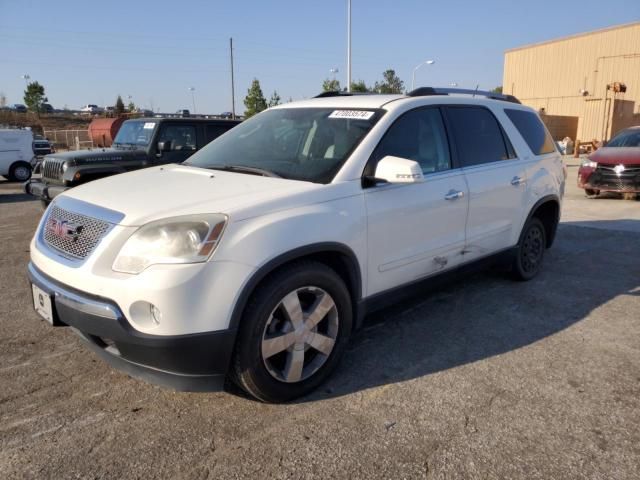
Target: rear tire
x,y
530,252
20,172
293,332
590,193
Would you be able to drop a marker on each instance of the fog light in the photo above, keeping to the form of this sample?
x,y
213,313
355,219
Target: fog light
x,y
156,314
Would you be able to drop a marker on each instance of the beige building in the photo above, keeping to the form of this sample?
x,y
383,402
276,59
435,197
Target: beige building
x,y
567,80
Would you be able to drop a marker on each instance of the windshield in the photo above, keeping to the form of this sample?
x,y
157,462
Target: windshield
x,y
308,144
133,132
626,138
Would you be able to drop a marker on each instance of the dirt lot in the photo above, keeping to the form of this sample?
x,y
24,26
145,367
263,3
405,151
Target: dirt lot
x,y
484,378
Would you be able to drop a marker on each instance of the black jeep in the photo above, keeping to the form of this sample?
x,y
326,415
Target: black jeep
x,y
140,143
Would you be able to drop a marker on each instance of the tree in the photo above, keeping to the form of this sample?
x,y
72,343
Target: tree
x,y
391,83
34,97
131,107
119,108
331,85
3,100
275,99
497,89
254,101
359,86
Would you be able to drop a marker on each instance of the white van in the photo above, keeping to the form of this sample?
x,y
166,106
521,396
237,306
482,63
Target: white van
x,y
16,153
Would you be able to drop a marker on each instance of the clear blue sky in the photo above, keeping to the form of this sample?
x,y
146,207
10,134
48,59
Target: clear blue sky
x,y
91,51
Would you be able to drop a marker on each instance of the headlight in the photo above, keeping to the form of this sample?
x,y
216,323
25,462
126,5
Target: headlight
x,y
65,165
187,239
589,163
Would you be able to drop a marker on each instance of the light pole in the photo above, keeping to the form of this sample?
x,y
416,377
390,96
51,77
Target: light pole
x,y
348,45
413,77
453,84
193,98
26,79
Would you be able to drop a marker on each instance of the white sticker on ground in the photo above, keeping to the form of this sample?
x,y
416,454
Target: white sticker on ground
x,y
149,125
355,114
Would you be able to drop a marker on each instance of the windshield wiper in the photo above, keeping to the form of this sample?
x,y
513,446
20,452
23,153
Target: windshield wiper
x,y
245,169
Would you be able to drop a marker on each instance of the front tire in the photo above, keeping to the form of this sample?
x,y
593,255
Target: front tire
x,y
590,193
20,172
293,332
530,252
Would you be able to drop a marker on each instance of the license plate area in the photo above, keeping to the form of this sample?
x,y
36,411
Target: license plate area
x,y
43,304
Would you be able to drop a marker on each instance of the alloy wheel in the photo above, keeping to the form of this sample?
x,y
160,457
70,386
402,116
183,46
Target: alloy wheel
x,y
300,334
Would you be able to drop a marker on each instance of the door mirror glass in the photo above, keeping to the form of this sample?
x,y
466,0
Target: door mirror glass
x,y
164,146
398,170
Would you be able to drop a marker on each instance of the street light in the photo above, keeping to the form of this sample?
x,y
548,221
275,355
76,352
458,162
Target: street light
x,y
413,77
26,79
193,98
333,71
453,84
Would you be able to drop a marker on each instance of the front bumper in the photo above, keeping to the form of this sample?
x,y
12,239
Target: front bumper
x,y
43,191
607,179
193,362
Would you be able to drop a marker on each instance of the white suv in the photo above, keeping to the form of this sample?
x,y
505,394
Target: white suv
x,y
257,258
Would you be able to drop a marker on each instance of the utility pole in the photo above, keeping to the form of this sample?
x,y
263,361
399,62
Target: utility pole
x,y
233,93
348,45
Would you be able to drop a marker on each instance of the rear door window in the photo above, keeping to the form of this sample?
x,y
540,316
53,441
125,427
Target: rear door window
x,y
478,136
532,130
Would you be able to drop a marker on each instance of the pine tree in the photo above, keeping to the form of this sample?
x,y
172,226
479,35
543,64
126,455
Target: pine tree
x,y
119,107
275,99
34,97
254,101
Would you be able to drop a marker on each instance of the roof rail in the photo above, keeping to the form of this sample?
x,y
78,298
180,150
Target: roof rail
x,y
426,91
342,94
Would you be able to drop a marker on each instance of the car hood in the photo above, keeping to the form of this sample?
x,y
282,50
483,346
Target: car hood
x,y
617,155
98,155
172,190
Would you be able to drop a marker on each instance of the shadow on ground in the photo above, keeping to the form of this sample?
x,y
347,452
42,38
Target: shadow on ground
x,y
487,314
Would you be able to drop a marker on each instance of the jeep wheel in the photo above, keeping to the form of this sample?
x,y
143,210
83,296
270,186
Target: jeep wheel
x,y
530,252
20,172
294,329
590,193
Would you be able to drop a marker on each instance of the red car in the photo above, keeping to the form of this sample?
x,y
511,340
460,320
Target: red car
x,y
615,167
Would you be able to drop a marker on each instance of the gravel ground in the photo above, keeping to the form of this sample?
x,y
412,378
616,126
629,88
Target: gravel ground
x,y
483,378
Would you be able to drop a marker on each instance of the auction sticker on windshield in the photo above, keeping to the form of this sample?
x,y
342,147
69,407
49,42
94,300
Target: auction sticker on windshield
x,y
353,114
149,125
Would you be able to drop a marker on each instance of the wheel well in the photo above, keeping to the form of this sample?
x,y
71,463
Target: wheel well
x,y
340,262
549,214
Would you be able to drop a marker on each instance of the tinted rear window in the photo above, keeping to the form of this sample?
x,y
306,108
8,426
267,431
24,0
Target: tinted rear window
x,y
478,136
532,130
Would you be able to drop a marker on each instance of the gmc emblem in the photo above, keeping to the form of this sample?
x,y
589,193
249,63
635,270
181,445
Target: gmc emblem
x,y
64,229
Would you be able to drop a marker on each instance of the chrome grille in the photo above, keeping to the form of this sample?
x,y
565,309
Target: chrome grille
x,y
606,176
52,168
72,234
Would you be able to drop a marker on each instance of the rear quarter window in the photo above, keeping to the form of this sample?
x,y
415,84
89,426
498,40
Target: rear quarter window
x,y
532,130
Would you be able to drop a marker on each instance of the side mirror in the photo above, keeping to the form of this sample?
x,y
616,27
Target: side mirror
x,y
164,146
398,170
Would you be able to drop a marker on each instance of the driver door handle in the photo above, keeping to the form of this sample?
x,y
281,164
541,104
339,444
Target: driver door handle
x,y
453,195
517,181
